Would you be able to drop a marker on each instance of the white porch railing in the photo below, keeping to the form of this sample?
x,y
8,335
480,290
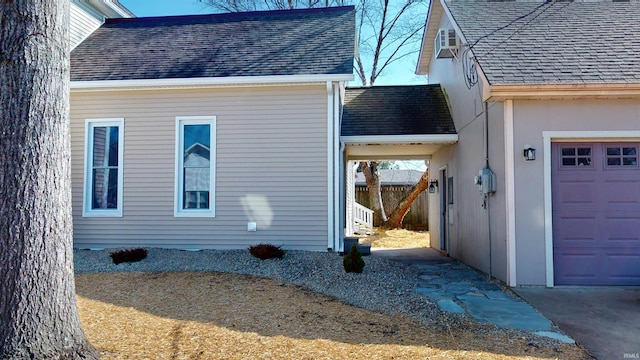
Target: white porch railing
x,y
363,217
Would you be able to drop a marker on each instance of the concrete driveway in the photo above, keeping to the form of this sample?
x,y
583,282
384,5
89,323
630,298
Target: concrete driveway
x,y
605,320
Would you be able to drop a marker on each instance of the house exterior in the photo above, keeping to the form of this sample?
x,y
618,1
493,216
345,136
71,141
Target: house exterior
x,y
561,78
210,131
390,123
87,15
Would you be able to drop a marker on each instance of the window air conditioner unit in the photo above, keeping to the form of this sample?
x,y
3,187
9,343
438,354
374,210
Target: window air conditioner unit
x,y
446,43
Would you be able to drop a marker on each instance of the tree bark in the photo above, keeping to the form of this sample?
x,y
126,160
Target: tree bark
x,y
38,314
372,177
395,219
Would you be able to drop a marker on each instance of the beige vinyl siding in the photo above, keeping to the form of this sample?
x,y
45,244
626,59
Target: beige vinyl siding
x,y
271,167
82,24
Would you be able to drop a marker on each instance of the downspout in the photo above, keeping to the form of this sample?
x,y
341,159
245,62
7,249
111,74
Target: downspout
x,y
337,170
343,195
488,207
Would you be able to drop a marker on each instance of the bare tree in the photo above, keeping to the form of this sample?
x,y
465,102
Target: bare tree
x,y
397,215
38,314
386,32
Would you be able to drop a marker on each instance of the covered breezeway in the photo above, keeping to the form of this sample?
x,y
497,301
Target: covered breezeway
x,y
389,123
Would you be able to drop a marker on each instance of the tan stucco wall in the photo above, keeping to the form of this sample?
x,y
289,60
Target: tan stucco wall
x,y
471,235
531,118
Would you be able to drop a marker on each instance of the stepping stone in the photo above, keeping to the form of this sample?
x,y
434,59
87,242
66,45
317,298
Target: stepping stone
x,y
554,335
428,277
500,295
435,294
458,288
506,313
450,306
486,286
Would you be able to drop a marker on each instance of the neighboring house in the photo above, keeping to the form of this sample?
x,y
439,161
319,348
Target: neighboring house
x,y
395,185
223,130
558,77
395,177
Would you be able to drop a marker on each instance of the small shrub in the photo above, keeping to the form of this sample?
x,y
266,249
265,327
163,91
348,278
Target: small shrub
x,y
353,261
266,251
130,255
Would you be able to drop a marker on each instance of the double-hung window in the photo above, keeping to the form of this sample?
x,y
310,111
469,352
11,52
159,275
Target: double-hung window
x,y
104,144
195,166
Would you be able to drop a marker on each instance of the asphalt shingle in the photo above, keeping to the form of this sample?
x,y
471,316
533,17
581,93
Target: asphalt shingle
x,y
553,42
396,110
294,42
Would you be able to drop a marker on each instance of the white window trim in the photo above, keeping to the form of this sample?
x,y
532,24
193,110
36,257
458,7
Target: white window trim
x,y
87,211
178,211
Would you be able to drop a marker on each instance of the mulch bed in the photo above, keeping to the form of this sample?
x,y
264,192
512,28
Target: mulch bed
x,y
226,316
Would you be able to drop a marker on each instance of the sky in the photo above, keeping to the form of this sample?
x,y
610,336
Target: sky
x,y
399,73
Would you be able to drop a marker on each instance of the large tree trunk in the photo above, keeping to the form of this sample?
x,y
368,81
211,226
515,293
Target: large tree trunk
x,y
38,314
372,177
398,214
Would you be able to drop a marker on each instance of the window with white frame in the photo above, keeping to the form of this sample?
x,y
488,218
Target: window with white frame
x,y
195,166
104,144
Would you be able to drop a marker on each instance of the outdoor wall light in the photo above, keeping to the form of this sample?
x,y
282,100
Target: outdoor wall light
x,y
433,186
529,153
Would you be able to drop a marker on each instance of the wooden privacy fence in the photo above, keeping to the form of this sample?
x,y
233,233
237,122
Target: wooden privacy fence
x,y
418,216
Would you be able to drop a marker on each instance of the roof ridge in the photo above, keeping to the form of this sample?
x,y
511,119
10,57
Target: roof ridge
x,y
231,15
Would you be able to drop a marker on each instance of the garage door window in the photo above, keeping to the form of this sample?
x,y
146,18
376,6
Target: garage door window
x,y
622,156
576,156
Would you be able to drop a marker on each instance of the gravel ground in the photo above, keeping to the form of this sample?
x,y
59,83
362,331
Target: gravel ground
x,y
384,286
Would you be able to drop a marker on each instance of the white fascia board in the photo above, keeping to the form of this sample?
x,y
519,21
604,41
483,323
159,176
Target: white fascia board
x,y
110,8
400,139
117,7
151,84
501,92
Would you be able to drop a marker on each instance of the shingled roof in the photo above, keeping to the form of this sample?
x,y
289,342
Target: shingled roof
x,y
552,42
396,110
293,42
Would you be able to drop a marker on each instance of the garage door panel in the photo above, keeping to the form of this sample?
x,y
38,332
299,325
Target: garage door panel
x,y
622,192
577,192
624,267
575,265
623,231
596,213
576,232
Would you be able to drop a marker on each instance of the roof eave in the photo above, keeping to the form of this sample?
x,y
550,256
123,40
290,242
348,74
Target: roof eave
x,y
401,139
110,8
502,92
430,30
154,84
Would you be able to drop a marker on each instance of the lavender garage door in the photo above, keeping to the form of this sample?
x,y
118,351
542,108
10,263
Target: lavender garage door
x,y
596,213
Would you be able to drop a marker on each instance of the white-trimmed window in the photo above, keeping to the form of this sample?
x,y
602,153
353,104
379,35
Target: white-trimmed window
x,y
103,153
195,166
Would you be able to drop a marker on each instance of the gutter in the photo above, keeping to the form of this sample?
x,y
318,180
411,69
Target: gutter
x,y
203,82
560,91
400,139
